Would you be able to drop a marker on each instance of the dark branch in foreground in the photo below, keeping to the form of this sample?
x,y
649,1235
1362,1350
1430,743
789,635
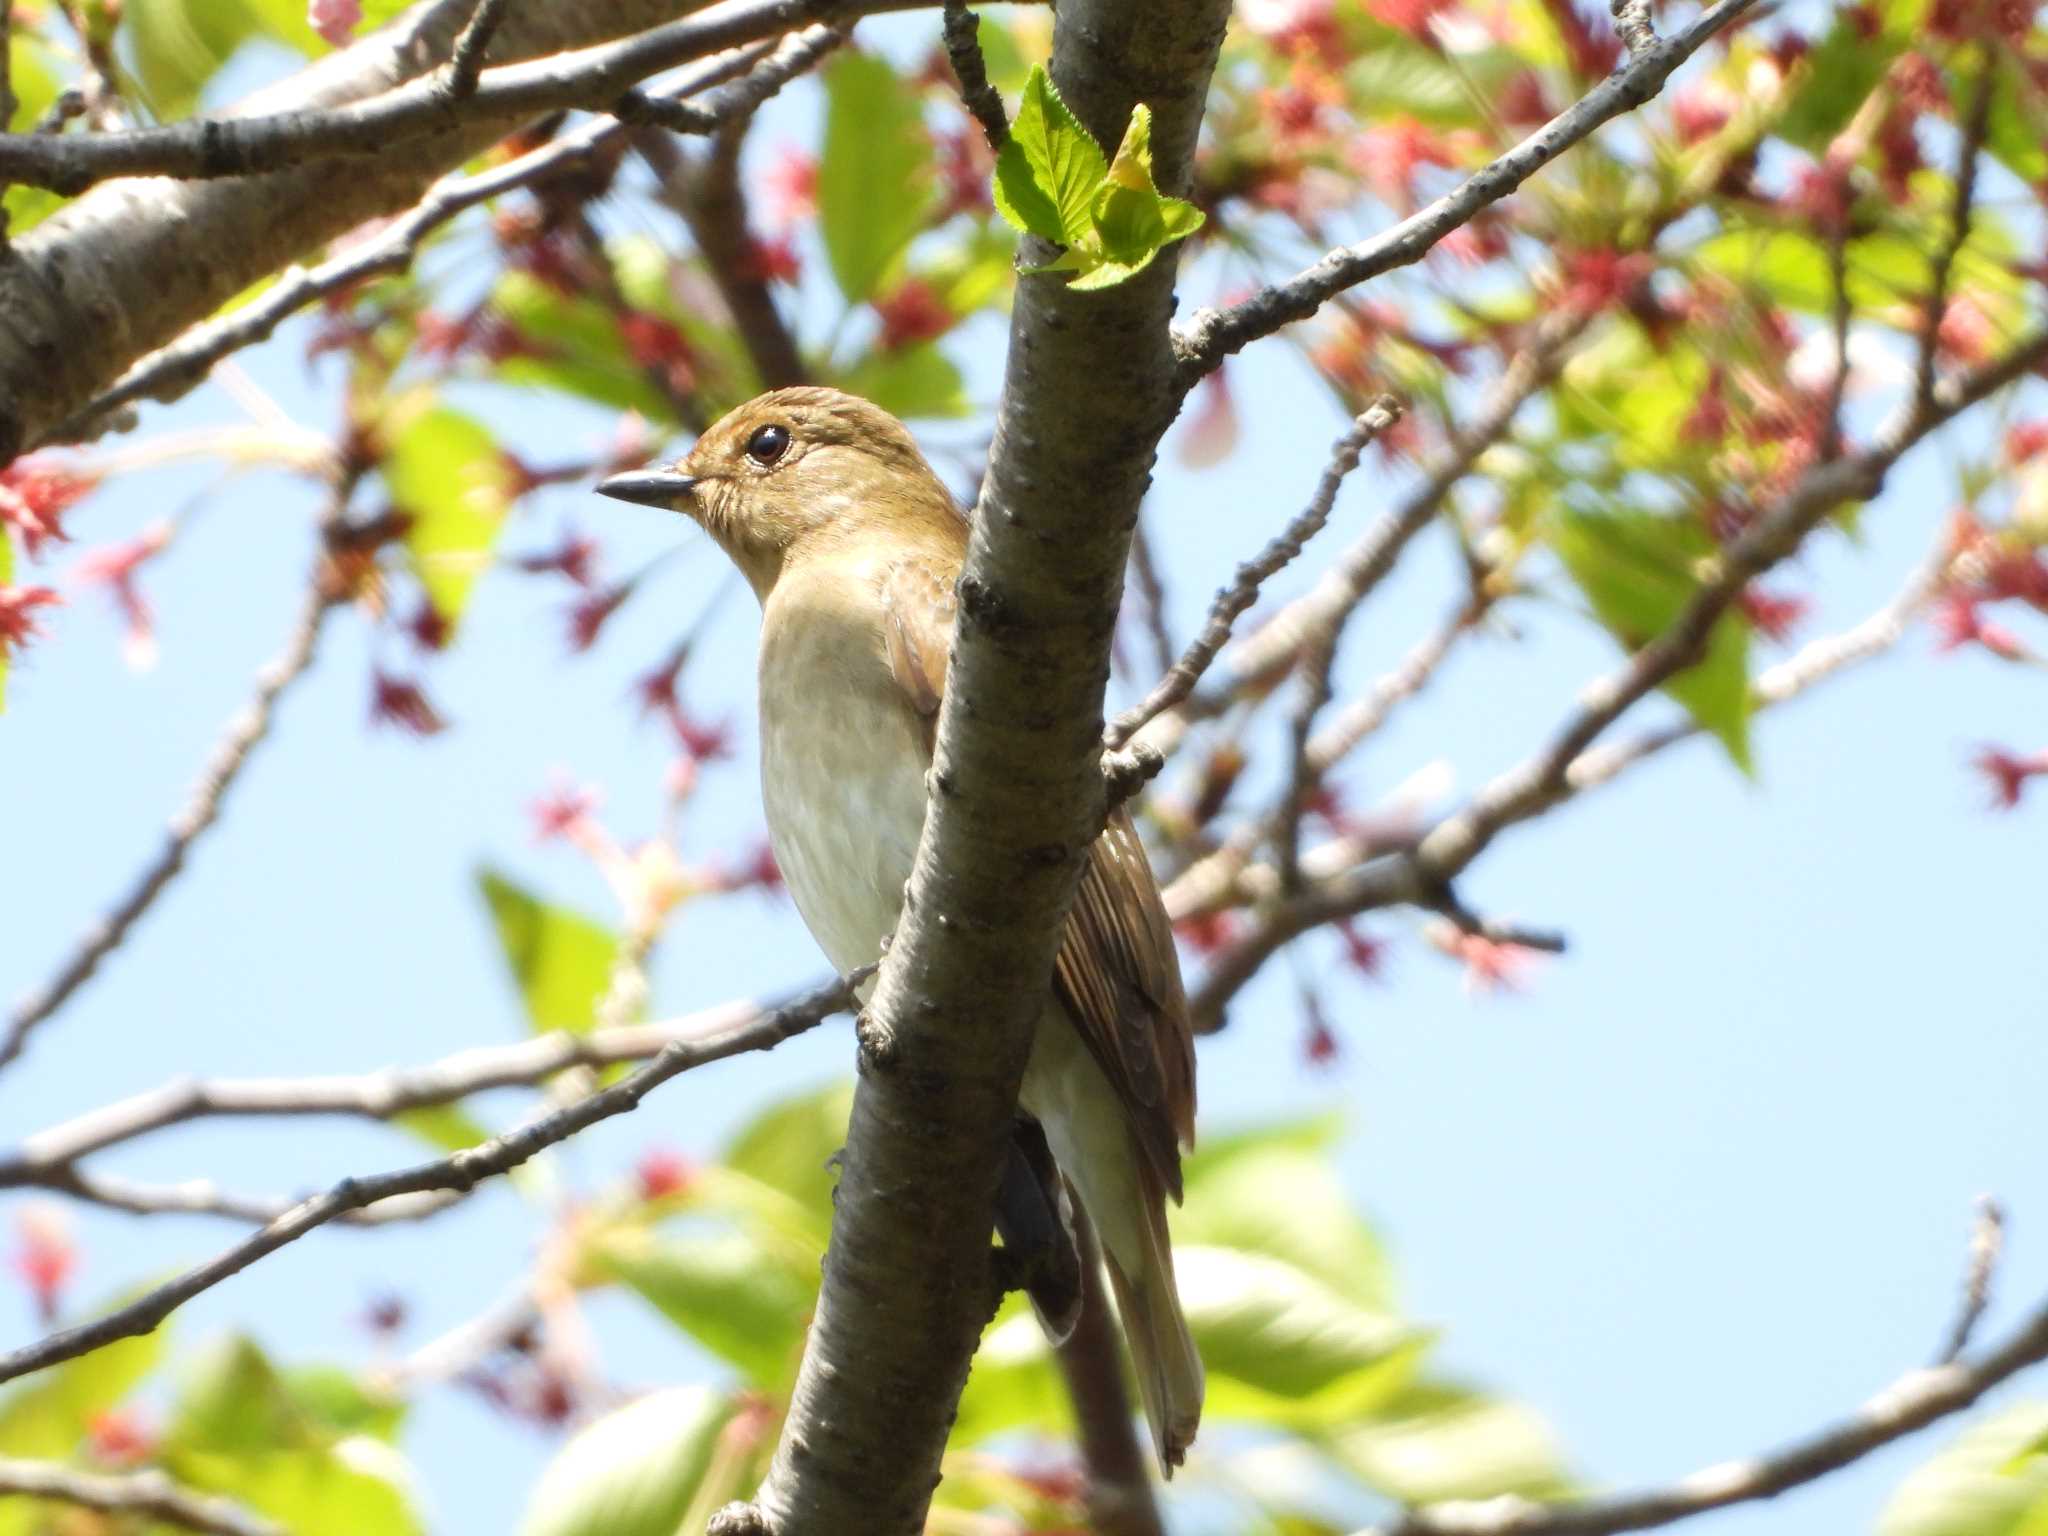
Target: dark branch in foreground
x,y
1213,334
1912,1402
462,1172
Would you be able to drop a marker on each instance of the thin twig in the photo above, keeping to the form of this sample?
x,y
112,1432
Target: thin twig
x,y
970,69
203,1197
1838,384
1151,588
462,1171
466,59
1987,1244
202,808
172,370
1211,335
147,1493
1914,1401
1243,591
1632,25
1975,123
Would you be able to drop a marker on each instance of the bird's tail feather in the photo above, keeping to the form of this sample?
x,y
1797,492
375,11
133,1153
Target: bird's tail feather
x,y
1163,1354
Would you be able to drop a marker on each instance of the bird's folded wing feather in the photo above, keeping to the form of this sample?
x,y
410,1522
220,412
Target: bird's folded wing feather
x,y
1117,972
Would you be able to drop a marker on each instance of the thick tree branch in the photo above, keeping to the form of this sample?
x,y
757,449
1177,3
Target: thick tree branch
x,y
460,1172
172,370
1016,801
1211,335
132,264
1914,1401
147,1493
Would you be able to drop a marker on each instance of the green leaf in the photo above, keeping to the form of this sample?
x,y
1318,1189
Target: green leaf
x,y
560,960
2016,123
1281,1347
1230,1204
576,347
47,1418
1403,78
1048,172
357,1485
792,1147
1836,78
1637,571
33,73
179,45
1439,1441
447,474
909,382
632,1472
1979,1484
448,1127
875,177
725,1290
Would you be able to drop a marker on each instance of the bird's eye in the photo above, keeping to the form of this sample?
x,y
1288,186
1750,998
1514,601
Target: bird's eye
x,y
768,444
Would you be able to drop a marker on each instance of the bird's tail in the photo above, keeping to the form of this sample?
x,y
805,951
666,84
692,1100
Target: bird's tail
x,y
1163,1354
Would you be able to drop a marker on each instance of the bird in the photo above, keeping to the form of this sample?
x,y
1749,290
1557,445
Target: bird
x,y
854,546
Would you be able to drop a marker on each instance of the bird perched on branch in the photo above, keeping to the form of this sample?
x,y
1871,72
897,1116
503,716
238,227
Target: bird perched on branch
x,y
853,546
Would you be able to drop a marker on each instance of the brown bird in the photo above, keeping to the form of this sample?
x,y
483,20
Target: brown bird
x,y
853,547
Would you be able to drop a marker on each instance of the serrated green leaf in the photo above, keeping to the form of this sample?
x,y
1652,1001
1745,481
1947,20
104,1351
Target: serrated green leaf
x,y
1637,573
1977,1485
876,174
632,1472
561,961
1048,172
909,382
1437,1441
725,1290
446,472
1128,224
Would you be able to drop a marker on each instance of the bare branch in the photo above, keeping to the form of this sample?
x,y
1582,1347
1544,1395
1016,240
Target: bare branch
x,y
1211,335
248,728
147,1493
460,1172
381,1095
172,370
963,49
1942,264
1632,24
1914,1401
203,1197
466,62
1987,1244
1243,591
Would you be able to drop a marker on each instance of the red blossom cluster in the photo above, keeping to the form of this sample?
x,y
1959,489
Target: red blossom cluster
x,y
35,492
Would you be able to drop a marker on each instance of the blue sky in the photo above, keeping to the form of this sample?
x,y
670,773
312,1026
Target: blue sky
x,y
1704,1185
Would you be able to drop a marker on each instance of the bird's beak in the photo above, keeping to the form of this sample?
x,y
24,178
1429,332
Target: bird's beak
x,y
648,487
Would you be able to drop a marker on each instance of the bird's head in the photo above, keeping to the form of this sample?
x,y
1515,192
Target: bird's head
x,y
793,472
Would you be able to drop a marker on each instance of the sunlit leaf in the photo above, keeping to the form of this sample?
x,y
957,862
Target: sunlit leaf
x,y
632,1472
723,1289
792,1146
909,382
1438,1441
1049,170
572,344
47,1416
1834,79
448,475
1979,1484
875,176
560,960
1638,571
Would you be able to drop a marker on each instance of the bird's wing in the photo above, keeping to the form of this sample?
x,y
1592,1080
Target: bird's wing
x,y
1117,972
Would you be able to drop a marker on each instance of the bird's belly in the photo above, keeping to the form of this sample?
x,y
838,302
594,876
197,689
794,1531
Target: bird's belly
x,y
844,795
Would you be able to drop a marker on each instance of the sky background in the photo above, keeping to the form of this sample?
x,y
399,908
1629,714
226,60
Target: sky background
x,y
1704,1185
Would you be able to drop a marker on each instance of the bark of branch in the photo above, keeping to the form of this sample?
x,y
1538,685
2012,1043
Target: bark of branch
x,y
461,1172
130,265
149,1494
1017,799
1912,1402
